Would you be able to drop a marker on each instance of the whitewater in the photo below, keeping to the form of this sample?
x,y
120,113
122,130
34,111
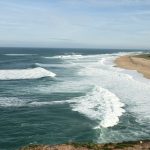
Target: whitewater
x,y
29,73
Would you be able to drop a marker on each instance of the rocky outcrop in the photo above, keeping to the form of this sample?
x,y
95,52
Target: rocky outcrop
x,y
139,145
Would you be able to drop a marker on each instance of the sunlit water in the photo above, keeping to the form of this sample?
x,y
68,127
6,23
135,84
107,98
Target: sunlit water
x,y
55,96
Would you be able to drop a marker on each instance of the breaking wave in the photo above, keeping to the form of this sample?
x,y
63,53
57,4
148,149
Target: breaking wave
x,y
36,103
100,105
73,56
30,73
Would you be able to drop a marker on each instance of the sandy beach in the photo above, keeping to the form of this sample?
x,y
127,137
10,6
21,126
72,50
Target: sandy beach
x,y
141,63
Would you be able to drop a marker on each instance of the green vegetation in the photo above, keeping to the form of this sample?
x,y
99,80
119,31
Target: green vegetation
x,y
31,147
123,145
145,56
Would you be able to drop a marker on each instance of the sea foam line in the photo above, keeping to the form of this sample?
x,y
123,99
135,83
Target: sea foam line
x,y
73,56
21,102
55,65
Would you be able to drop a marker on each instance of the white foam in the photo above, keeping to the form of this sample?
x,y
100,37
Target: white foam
x,y
54,65
101,105
11,102
73,56
65,87
17,102
31,73
47,57
129,85
104,73
36,103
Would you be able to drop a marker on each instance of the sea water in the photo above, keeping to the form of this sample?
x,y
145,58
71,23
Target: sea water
x,y
53,96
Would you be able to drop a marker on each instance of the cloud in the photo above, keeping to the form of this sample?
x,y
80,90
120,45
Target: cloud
x,y
60,39
74,22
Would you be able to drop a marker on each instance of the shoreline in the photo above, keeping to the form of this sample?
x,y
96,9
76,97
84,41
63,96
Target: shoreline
x,y
140,63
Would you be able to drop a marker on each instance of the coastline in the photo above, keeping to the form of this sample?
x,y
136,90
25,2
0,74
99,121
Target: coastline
x,y
140,63
137,145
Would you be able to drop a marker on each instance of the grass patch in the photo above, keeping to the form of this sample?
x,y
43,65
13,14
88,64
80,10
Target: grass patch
x,y
123,145
31,147
145,56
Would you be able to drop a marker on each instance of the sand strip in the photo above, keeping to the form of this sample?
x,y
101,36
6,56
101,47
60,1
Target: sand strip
x,y
141,63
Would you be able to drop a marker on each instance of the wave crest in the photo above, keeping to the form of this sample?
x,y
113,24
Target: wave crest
x,y
30,73
100,105
72,56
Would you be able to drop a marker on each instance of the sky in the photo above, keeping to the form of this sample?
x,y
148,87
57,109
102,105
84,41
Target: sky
x,y
75,23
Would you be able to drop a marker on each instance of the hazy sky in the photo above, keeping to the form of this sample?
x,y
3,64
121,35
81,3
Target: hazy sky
x,y
75,23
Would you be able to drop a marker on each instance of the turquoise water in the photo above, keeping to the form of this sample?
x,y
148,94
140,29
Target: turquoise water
x,y
52,96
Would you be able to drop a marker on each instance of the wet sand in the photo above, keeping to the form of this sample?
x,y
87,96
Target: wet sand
x,y
141,63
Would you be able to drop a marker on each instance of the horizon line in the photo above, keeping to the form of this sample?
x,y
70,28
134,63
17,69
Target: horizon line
x,y
27,47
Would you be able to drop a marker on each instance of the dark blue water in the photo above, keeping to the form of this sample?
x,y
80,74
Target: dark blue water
x,y
52,96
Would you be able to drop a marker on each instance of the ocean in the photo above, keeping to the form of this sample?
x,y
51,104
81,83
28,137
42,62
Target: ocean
x,y
53,96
